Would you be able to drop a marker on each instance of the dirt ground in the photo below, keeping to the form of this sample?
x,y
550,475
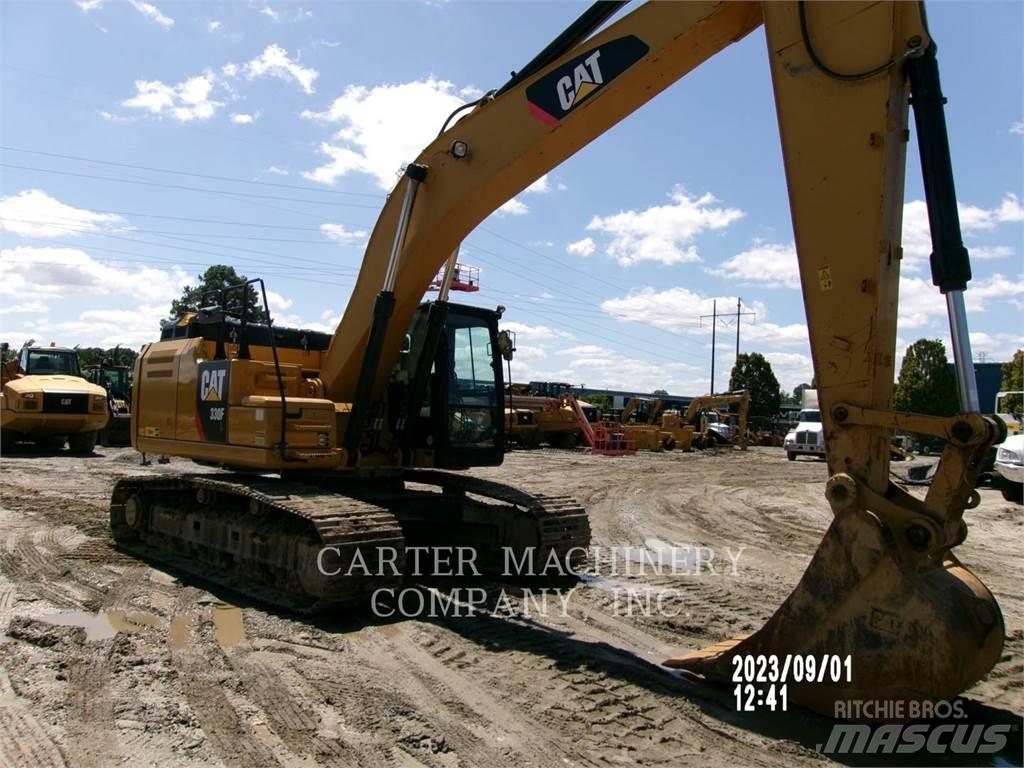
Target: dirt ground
x,y
175,675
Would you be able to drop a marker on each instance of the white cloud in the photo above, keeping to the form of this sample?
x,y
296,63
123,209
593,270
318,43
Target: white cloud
x,y
1017,127
151,12
917,243
980,294
213,26
89,5
184,102
33,213
277,302
59,273
513,207
540,186
241,118
270,13
584,247
985,252
534,333
775,265
276,171
275,62
339,234
680,310
675,309
25,308
663,233
115,118
597,366
920,301
772,264
1009,210
997,346
382,128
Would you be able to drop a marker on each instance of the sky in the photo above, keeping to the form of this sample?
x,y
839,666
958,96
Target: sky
x,y
143,141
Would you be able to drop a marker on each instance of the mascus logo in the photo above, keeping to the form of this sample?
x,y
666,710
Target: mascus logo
x,y
560,91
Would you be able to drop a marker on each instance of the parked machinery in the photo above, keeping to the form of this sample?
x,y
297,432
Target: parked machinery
x,y
46,400
116,380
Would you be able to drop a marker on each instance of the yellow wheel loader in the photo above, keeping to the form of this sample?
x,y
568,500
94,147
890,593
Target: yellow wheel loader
x,y
342,446
46,400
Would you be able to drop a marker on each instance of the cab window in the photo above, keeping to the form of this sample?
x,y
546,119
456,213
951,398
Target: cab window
x,y
472,394
46,362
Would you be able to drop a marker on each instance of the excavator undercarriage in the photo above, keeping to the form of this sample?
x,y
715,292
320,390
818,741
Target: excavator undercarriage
x,y
314,545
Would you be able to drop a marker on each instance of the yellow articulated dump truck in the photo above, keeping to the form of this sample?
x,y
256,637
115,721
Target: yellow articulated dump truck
x,y
46,400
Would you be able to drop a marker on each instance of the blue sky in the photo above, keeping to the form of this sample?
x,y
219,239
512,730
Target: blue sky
x,y
605,265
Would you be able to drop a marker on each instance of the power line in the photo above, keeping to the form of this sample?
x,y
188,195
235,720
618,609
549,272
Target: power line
x,y
219,221
223,256
284,276
170,236
233,179
232,236
182,187
552,259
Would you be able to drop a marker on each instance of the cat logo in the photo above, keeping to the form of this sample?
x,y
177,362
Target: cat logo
x,y
585,78
556,94
211,385
212,400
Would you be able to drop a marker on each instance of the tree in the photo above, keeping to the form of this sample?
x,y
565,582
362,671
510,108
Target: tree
x,y
753,373
798,393
1013,381
603,403
114,356
926,383
660,393
215,278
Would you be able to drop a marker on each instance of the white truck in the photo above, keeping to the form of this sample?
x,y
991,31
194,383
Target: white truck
x,y
1009,461
807,439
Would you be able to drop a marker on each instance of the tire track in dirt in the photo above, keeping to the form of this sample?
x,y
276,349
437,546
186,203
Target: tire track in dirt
x,y
228,734
572,703
91,734
294,722
25,741
437,705
92,731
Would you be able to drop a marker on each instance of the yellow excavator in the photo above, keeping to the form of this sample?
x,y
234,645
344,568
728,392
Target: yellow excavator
x,y
702,415
339,442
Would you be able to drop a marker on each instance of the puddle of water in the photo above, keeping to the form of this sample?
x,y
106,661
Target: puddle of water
x,y
97,626
227,624
134,622
229,628
179,632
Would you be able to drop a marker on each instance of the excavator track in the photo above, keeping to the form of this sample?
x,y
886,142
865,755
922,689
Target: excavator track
x,y
555,525
313,546
262,537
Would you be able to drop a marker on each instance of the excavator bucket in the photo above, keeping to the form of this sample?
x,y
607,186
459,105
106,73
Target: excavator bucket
x,y
910,633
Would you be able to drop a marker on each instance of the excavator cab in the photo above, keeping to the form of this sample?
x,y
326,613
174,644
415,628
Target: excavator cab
x,y
461,396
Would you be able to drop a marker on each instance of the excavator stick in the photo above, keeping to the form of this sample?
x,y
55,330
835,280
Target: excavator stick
x,y
884,611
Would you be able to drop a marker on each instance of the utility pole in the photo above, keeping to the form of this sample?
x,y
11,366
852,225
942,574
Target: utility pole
x,y
738,314
714,325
